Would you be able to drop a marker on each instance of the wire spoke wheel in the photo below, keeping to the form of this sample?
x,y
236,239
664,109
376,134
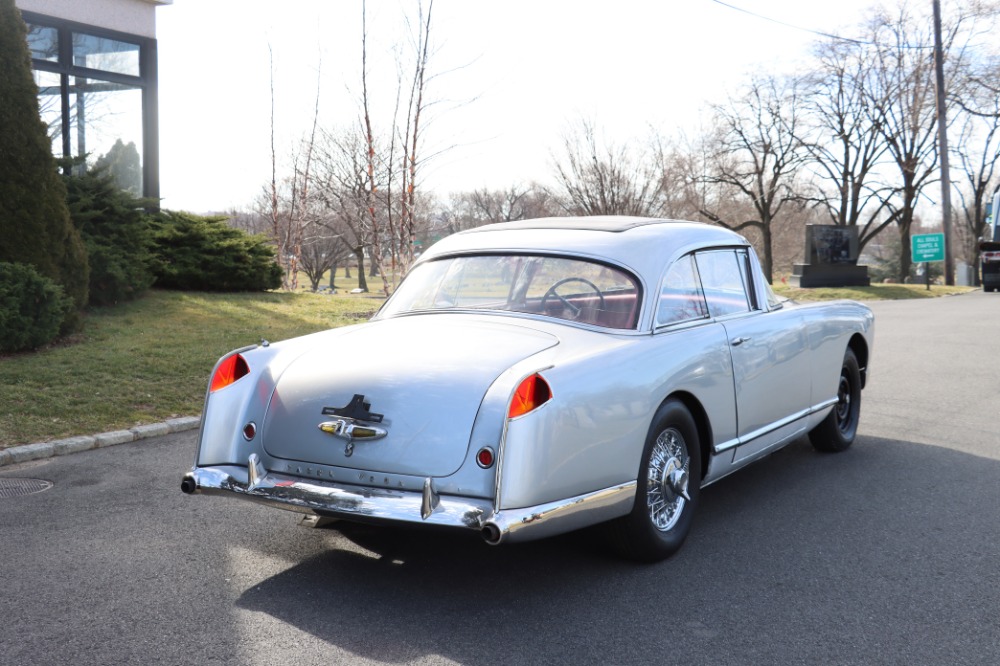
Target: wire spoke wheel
x,y
666,488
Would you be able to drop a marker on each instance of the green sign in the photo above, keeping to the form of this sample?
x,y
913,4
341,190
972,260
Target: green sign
x,y
927,247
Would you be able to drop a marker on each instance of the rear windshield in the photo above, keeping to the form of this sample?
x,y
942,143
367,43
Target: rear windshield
x,y
566,288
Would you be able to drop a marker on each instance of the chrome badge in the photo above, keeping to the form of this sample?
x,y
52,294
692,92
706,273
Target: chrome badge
x,y
347,426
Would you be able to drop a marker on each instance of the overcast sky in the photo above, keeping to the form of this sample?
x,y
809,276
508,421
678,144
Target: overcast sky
x,y
512,77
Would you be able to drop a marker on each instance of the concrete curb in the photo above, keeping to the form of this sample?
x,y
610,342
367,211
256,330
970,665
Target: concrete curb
x,y
62,447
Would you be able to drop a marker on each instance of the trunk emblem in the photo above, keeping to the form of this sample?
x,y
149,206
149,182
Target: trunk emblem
x,y
347,426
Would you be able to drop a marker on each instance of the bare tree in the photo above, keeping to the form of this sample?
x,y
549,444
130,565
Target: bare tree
x,y
841,114
343,187
322,250
908,122
977,152
679,164
393,229
756,157
605,179
286,200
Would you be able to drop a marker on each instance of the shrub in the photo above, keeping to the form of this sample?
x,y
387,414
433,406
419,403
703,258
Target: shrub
x,y
35,227
116,232
197,253
32,308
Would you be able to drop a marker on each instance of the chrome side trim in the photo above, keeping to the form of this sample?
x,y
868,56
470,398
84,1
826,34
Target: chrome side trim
x,y
512,525
760,432
363,503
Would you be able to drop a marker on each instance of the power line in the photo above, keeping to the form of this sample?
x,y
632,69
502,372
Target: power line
x,y
795,27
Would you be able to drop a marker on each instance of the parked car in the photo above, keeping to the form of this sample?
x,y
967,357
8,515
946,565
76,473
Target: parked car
x,y
532,378
989,247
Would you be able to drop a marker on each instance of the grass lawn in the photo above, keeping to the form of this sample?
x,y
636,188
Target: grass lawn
x,y
147,361
876,292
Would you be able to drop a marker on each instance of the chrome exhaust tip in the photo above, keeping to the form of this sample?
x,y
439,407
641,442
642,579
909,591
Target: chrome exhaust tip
x,y
188,484
491,534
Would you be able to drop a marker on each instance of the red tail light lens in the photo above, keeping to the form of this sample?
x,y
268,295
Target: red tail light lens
x,y
230,370
533,392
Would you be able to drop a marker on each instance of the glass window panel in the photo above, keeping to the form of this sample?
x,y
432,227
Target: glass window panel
x,y
106,123
722,280
108,55
572,289
681,298
50,106
43,42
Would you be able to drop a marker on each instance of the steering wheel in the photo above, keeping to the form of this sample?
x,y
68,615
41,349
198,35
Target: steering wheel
x,y
552,293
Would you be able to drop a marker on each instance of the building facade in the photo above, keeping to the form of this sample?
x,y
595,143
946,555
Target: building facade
x,y
95,64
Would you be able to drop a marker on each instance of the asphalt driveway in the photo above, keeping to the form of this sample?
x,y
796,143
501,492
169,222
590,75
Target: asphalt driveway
x,y
883,555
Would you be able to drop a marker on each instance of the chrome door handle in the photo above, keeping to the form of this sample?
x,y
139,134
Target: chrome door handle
x,y
738,341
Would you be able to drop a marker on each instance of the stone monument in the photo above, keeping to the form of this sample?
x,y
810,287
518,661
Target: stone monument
x,y
831,258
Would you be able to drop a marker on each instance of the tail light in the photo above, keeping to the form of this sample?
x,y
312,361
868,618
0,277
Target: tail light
x,y
231,369
533,392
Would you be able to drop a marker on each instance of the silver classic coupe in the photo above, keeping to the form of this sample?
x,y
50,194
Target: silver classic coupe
x,y
532,378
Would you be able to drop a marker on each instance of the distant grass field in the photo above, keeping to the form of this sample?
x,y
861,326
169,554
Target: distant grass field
x,y
146,361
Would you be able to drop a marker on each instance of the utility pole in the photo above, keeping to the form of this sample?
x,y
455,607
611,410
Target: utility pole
x,y
942,124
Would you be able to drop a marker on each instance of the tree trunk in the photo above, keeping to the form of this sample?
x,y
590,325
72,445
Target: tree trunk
x,y
333,276
904,252
768,259
359,254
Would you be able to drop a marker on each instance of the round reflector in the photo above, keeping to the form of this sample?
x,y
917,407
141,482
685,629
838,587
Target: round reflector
x,y
485,457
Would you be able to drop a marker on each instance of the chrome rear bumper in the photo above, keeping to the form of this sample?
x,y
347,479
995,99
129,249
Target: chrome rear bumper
x,y
364,503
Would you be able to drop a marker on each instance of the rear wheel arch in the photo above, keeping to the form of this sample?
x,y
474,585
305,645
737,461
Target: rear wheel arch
x,y
701,421
859,346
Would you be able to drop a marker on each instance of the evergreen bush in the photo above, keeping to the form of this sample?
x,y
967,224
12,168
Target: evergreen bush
x,y
116,232
195,253
32,308
35,227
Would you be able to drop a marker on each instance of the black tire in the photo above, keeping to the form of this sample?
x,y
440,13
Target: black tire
x,y
837,431
661,517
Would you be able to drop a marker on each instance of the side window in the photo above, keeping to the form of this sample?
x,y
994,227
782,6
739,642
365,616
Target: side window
x,y
681,298
722,279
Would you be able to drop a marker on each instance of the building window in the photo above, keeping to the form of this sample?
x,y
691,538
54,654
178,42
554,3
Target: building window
x,y
97,93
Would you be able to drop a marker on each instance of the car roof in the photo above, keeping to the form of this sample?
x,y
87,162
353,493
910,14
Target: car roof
x,y
641,243
610,223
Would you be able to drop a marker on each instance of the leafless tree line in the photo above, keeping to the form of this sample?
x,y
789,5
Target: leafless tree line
x,y
852,141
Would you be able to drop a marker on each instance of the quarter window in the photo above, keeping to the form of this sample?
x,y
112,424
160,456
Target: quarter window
x,y
722,279
681,298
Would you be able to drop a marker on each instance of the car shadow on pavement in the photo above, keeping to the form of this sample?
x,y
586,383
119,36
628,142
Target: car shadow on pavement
x,y
887,546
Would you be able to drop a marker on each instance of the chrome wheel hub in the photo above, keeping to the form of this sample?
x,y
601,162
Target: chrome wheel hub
x,y
667,479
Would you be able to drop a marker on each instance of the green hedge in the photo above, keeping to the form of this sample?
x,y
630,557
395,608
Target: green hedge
x,y
32,308
116,232
194,253
35,227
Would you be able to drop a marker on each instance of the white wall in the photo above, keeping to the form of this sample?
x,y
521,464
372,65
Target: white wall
x,y
137,17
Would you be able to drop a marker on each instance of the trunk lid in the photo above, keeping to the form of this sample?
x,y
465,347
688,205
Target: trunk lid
x,y
426,374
